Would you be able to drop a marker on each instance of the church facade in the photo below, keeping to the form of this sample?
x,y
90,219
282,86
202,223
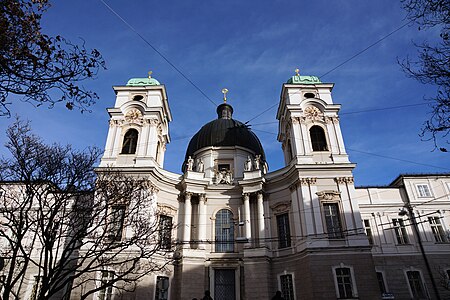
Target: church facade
x,y
242,232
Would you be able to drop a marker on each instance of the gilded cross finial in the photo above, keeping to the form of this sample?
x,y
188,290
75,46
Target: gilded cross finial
x,y
297,72
150,74
224,92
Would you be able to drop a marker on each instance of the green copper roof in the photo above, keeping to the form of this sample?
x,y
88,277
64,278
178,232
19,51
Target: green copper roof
x,y
142,82
304,79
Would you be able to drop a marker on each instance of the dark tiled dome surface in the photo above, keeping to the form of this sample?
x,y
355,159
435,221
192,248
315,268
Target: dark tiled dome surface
x,y
225,131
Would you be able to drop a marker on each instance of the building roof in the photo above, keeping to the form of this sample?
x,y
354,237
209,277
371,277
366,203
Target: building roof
x,y
299,79
225,131
142,81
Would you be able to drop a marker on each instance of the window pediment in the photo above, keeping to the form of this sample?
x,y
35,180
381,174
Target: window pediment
x,y
329,195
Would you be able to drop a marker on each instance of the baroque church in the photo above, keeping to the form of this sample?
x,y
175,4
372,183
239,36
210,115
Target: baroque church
x,y
242,232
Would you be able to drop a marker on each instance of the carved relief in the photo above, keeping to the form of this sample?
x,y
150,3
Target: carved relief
x,y
313,113
295,120
133,116
167,210
153,122
281,207
224,177
329,195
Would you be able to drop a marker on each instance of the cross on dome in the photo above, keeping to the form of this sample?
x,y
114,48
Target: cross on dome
x,y
224,92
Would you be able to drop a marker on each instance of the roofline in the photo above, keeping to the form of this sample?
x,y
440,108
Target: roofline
x,y
415,175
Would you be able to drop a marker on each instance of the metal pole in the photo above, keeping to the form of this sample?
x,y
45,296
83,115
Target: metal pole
x,y
422,250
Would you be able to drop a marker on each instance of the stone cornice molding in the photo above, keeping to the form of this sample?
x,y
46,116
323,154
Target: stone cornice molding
x,y
343,180
308,180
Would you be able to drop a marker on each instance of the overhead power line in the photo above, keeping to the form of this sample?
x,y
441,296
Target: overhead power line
x,y
367,48
344,62
157,51
369,153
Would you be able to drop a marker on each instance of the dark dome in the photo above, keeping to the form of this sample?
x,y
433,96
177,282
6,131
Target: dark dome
x,y
225,132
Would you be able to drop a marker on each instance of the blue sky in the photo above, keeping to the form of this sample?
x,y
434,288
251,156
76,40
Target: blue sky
x,y
251,48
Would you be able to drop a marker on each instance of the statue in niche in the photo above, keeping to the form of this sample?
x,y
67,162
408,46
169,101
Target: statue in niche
x,y
257,162
200,166
248,164
190,164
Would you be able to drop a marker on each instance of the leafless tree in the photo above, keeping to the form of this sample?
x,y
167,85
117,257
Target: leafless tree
x,y
32,64
64,227
433,65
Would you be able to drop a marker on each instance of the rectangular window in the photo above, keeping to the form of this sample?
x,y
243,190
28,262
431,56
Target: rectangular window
x,y
162,288
368,231
400,231
416,285
117,219
332,220
106,283
287,286
165,232
437,229
284,233
344,282
381,283
424,190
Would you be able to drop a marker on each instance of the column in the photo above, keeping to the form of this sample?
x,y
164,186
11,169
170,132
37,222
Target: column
x,y
340,140
333,146
202,220
110,139
117,148
187,220
247,224
305,137
261,227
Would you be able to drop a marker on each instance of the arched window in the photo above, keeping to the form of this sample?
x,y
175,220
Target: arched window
x,y
318,139
130,142
224,231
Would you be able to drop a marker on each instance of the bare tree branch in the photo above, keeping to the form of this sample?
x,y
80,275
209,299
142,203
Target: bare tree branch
x,y
33,64
63,225
432,66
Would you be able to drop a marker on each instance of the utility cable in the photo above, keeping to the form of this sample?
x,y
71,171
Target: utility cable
x,y
157,51
367,48
347,60
369,153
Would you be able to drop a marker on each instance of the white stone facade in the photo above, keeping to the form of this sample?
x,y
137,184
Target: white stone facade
x,y
304,229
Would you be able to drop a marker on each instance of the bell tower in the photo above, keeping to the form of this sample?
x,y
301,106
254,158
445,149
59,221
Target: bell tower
x,y
308,126
138,126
